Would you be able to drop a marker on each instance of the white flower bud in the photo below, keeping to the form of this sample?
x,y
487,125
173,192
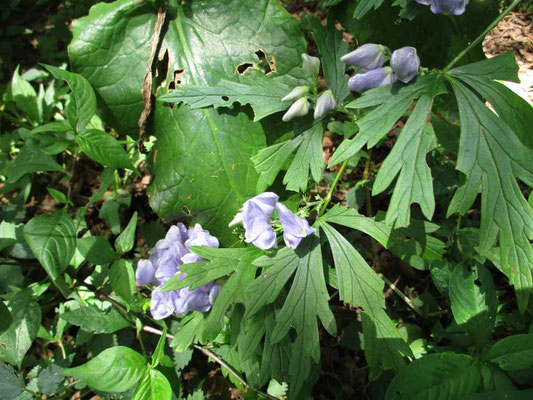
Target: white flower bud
x,y
326,103
311,64
296,93
298,109
237,220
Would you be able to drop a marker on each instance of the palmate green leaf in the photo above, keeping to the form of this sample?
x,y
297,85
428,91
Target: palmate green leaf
x,y
92,319
113,370
82,105
513,352
391,103
270,160
364,6
492,156
262,93
153,385
104,149
5,317
307,299
408,158
52,239
360,285
473,301
331,48
435,376
190,330
19,336
204,45
308,158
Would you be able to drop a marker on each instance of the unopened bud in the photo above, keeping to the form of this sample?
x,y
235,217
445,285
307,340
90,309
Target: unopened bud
x,y
368,56
311,64
296,93
325,103
298,109
237,220
372,79
405,63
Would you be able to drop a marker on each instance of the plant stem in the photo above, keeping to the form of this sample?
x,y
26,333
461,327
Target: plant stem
x,y
332,188
71,176
483,34
402,296
220,361
15,120
369,212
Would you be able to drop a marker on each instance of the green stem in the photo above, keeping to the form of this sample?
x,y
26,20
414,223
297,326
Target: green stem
x,y
15,120
332,188
71,176
480,37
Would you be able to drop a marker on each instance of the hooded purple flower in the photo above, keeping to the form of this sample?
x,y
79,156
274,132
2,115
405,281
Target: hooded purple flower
x,y
325,103
294,227
256,214
455,7
368,56
163,264
405,63
372,79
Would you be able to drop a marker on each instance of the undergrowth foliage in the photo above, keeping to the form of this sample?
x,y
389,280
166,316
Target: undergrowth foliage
x,y
172,190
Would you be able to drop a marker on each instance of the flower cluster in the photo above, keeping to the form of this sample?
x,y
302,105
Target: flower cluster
x,y
370,57
299,95
164,261
455,7
256,214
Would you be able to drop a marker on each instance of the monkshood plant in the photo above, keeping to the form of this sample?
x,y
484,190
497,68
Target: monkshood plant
x,y
405,244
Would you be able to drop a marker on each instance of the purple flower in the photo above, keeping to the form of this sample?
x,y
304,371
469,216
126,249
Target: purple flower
x,y
165,259
405,63
311,64
256,214
326,103
455,7
368,56
145,272
296,93
372,79
294,227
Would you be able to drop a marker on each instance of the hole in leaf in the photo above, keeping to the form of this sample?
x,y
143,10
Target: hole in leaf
x,y
477,282
242,68
225,98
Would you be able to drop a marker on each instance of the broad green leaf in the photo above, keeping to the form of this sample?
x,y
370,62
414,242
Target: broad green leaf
x,y
492,156
473,301
513,352
270,160
113,370
122,278
19,336
408,159
25,97
361,286
27,161
5,317
392,102
96,250
264,95
56,194
445,375
8,234
92,319
11,385
49,379
308,158
104,149
203,46
52,239
51,138
331,48
159,351
82,104
153,385
126,239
